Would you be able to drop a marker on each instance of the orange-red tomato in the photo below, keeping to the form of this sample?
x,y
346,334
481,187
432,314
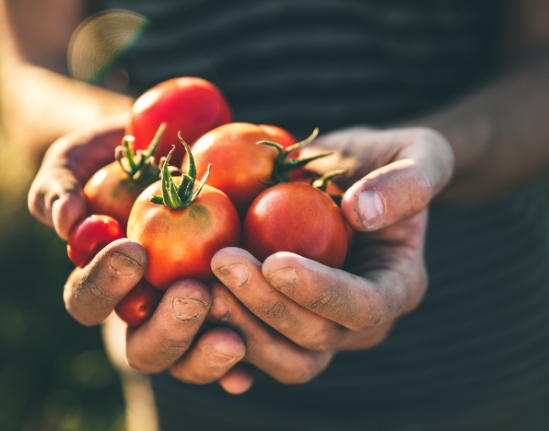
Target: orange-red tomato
x,y
239,164
188,105
298,218
139,304
112,192
181,242
278,134
90,236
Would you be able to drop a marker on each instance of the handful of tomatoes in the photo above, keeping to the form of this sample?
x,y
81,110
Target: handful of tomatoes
x,y
236,189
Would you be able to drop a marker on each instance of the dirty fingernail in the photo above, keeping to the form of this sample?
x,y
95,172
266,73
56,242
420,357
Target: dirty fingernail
x,y
186,309
124,264
370,207
284,277
235,275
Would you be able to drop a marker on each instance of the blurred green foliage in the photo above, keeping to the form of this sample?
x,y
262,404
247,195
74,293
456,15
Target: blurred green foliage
x,y
54,374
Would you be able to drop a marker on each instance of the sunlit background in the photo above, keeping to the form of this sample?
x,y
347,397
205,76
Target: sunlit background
x,y
54,374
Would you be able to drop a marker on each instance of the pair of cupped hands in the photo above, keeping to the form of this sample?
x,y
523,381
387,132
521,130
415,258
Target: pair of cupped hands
x,y
289,315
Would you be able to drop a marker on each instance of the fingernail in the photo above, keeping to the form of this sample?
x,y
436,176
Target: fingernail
x,y
220,309
124,264
235,275
370,207
186,309
284,277
216,358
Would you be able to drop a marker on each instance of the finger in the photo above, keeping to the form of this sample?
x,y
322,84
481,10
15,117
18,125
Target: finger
x,y
420,169
166,336
355,302
266,349
366,339
92,292
213,355
238,380
241,273
55,197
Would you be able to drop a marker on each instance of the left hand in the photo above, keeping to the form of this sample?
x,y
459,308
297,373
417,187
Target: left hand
x,y
293,313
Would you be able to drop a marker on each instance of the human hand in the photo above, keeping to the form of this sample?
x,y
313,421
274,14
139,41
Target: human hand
x,y
299,313
55,196
92,292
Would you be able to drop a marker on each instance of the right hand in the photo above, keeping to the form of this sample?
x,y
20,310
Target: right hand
x,y
167,340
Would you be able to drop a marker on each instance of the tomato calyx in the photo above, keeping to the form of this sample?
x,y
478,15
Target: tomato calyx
x,y
178,197
140,165
282,165
322,184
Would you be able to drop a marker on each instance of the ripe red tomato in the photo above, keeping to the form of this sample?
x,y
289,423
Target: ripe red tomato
x,y
182,226
239,164
298,218
113,189
90,236
188,105
241,167
139,304
181,242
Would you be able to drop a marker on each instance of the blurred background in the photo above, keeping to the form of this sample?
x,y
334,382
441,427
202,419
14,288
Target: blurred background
x,y
54,374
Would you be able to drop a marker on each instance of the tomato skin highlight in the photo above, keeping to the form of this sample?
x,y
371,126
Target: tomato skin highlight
x,y
280,135
298,218
139,304
181,243
112,192
189,105
239,164
90,236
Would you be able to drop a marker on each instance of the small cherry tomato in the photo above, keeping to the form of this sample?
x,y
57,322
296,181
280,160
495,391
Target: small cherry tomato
x,y
139,304
90,236
182,226
298,218
189,105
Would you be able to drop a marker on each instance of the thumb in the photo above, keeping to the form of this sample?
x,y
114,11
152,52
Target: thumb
x,y
402,188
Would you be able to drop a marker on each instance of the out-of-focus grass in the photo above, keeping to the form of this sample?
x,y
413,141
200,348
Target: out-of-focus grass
x,y
54,375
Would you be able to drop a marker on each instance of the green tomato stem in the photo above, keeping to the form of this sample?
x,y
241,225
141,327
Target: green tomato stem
x,y
140,166
179,197
283,166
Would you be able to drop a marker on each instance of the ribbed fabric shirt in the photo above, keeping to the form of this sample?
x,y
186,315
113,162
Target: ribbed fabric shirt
x,y
478,345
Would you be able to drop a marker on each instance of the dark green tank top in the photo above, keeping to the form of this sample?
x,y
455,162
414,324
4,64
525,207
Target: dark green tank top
x,y
479,343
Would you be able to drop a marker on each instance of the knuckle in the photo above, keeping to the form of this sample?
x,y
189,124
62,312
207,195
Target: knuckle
x,y
156,360
332,298
88,302
169,350
366,321
139,365
183,374
324,340
276,310
299,371
170,347
93,294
